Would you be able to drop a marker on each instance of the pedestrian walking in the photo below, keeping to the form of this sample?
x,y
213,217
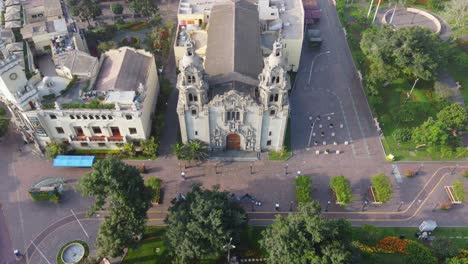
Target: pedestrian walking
x,y
182,174
277,207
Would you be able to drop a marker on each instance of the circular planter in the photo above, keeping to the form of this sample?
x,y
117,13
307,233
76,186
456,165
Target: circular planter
x,y
73,252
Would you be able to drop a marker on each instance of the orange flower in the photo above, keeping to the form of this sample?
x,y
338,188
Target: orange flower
x,y
392,245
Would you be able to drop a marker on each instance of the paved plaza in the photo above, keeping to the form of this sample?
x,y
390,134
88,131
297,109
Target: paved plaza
x,y
327,85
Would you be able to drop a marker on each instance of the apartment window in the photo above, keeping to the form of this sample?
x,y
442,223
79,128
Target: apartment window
x,y
272,14
97,117
132,130
84,144
269,143
272,112
103,117
85,117
269,133
52,116
102,145
274,97
91,117
72,117
191,79
128,117
59,130
194,112
196,133
97,130
110,117
78,117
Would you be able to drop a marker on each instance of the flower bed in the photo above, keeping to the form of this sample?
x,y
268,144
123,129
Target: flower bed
x,y
392,245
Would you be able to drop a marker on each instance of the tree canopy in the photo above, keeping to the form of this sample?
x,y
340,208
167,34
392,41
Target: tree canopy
x,y
145,7
456,13
121,189
53,149
117,8
306,237
411,51
4,122
202,223
192,150
454,116
85,9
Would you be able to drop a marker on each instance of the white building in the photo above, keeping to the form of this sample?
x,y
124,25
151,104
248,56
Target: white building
x,y
234,99
116,109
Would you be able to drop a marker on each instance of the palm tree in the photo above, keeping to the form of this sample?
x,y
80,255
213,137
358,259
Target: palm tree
x,y
196,150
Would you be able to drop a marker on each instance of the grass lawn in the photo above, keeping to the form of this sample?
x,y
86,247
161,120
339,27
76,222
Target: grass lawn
x,y
146,251
283,155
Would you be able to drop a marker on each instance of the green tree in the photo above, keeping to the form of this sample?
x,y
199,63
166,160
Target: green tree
x,y
444,248
456,14
432,133
370,234
86,9
53,149
177,149
454,116
145,7
4,122
303,185
340,185
121,190
104,46
150,148
117,8
129,149
411,51
192,150
306,237
419,254
383,189
202,223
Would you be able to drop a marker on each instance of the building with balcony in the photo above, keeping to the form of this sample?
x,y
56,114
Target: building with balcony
x,y
116,108
234,98
277,19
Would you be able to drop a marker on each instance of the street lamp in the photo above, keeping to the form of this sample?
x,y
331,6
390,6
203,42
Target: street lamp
x,y
312,64
298,173
229,246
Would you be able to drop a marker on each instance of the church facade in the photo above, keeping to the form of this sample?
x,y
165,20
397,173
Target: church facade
x,y
234,99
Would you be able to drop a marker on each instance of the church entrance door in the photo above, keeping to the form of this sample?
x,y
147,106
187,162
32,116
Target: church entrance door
x,y
233,142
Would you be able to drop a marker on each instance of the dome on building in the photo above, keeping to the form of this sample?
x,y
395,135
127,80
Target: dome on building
x,y
190,58
276,57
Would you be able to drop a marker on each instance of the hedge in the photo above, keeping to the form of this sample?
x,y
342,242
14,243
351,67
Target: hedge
x,y
382,188
94,104
303,189
340,185
155,185
53,196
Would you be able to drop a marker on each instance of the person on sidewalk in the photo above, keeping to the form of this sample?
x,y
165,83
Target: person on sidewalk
x,y
277,207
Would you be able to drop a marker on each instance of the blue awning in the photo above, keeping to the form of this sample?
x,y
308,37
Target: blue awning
x,y
74,161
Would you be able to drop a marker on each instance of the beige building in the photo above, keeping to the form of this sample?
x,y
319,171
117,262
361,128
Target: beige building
x,y
116,109
234,99
277,19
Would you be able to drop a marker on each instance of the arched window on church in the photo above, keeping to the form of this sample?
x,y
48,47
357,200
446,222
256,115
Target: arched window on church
x,y
190,97
277,79
274,97
190,79
195,98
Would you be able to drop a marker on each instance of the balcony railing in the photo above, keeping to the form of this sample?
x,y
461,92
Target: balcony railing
x,y
97,139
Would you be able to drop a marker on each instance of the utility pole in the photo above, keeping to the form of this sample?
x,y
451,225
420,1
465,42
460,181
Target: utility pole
x,y
411,91
370,8
376,11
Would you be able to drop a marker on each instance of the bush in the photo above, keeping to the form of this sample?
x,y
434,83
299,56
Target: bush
x,y
392,245
53,196
340,185
53,149
129,149
419,254
402,134
382,188
155,185
4,122
49,96
465,173
117,8
150,148
444,248
303,189
409,173
459,190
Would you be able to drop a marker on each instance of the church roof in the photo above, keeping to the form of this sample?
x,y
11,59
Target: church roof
x,y
234,40
78,62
